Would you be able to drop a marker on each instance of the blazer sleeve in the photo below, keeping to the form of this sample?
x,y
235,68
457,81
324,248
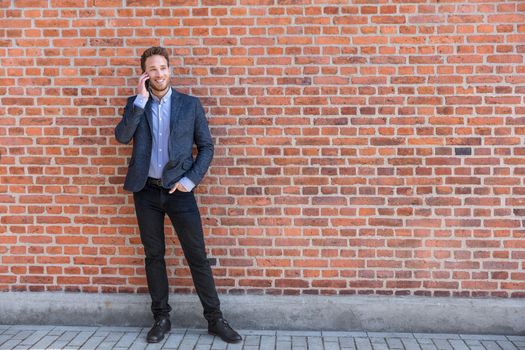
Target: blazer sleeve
x,y
125,129
203,141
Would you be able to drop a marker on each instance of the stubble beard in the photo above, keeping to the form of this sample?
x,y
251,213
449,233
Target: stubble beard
x,y
162,91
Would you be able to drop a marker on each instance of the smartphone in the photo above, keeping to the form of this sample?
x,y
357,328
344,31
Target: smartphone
x,y
146,83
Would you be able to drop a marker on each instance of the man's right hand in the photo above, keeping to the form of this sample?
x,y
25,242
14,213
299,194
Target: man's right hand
x,y
141,87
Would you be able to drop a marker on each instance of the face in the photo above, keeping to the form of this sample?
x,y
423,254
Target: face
x,y
159,74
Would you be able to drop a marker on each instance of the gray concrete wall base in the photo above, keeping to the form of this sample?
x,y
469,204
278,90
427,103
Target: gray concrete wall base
x,y
328,313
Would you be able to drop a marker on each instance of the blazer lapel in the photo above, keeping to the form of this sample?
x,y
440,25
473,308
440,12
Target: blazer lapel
x,y
175,108
147,111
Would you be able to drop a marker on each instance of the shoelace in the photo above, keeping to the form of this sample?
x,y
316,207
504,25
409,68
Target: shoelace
x,y
226,324
157,323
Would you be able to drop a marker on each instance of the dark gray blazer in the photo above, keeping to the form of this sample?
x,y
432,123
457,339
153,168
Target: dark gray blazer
x,y
188,125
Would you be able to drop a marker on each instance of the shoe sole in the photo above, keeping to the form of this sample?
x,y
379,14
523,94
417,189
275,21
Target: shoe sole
x,y
225,340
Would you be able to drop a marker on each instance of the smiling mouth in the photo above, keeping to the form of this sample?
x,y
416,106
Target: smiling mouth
x,y
159,84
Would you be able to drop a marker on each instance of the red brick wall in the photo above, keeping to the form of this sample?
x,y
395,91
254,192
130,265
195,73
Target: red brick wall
x,y
362,147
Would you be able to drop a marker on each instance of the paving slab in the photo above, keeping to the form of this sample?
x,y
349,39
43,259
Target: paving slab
x,y
410,344
506,345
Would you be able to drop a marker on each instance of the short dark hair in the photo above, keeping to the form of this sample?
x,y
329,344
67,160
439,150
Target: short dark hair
x,y
154,50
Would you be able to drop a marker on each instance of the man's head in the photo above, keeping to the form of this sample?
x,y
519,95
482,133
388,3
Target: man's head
x,y
155,62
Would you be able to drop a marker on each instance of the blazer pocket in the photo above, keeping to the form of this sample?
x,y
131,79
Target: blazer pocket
x,y
171,164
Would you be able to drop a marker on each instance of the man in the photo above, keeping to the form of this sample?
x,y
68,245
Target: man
x,y
164,124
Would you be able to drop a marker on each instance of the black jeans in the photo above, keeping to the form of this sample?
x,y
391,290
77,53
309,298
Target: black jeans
x,y
151,205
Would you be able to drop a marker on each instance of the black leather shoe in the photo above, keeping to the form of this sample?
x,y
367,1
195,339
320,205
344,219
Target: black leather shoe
x,y
222,329
159,330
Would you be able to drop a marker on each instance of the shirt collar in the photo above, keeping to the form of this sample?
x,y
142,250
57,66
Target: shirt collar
x,y
164,98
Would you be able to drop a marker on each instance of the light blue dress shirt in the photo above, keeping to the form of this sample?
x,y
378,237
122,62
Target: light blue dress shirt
x,y
160,115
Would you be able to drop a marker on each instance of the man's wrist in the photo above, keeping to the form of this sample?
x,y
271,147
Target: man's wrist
x,y
140,101
187,183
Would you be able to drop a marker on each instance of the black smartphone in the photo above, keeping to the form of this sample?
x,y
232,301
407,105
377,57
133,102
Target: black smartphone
x,y
146,83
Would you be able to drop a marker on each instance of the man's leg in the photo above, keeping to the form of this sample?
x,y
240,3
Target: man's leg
x,y
185,217
184,214
150,217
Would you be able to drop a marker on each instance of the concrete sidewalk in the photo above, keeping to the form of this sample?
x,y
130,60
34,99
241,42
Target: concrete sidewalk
x,y
133,338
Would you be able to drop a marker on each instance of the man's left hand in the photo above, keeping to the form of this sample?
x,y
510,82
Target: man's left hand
x,y
178,186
